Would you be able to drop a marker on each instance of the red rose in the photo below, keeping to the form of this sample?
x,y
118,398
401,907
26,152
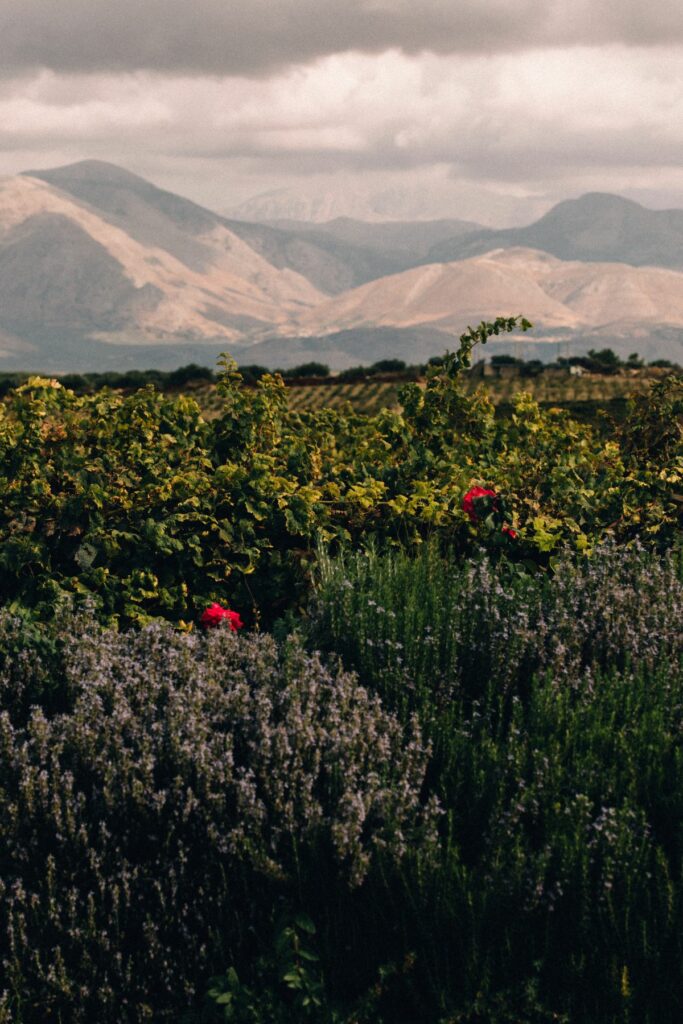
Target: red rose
x,y
469,499
215,614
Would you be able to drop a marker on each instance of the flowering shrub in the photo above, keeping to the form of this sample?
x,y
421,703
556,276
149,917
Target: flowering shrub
x,y
215,614
555,710
480,503
150,822
472,501
442,626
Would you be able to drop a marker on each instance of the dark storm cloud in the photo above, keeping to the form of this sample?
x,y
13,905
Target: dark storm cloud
x,y
257,37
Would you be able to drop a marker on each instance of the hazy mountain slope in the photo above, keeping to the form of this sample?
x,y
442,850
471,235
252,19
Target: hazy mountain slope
x,y
66,268
601,294
551,292
443,295
407,239
156,217
598,227
146,213
349,348
331,264
94,259
427,197
53,272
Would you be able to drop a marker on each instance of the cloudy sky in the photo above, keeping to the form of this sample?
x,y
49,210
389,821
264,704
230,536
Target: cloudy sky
x,y
492,109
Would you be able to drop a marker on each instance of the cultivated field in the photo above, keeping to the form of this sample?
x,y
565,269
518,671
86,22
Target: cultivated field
x,y
369,396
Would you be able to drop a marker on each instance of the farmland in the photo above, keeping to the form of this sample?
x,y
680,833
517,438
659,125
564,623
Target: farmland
x,y
311,714
370,396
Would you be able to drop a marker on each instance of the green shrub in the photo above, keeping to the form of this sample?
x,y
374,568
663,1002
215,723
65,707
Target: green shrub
x,y
140,504
312,369
555,710
432,628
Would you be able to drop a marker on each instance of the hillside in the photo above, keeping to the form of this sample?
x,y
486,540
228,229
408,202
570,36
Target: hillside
x,y
598,227
156,217
409,240
65,268
553,293
100,268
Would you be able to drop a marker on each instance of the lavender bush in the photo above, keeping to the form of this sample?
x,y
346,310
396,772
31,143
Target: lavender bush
x,y
152,813
445,628
555,710
497,842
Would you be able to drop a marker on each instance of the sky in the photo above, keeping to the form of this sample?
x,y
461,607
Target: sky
x,y
488,109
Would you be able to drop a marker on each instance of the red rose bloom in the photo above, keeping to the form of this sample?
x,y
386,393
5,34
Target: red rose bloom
x,y
469,499
215,614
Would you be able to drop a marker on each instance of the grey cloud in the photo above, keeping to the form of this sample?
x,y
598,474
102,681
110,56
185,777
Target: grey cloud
x,y
543,156
258,37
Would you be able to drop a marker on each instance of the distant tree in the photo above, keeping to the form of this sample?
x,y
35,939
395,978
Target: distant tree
x,y
252,372
8,381
352,373
506,360
603,360
312,369
184,374
532,368
387,366
76,382
634,361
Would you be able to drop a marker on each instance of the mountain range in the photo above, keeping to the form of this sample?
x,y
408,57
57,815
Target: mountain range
x,y
597,227
101,269
426,198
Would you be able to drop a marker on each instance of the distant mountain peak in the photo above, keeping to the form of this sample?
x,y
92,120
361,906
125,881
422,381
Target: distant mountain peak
x,y
597,226
605,198
594,204
88,170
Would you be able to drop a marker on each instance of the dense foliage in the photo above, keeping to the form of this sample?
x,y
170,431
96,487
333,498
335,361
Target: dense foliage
x,y
159,792
453,796
555,712
137,501
486,831
88,383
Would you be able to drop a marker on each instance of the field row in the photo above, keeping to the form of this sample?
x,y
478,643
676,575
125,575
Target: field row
x,y
369,396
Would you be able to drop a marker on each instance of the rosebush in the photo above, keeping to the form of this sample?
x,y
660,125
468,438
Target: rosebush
x,y
215,614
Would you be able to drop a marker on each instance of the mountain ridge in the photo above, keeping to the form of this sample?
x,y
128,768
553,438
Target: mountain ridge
x,y
95,260
557,295
63,265
148,212
595,227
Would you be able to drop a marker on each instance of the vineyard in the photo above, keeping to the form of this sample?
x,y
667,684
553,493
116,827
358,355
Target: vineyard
x,y
309,714
370,396
366,397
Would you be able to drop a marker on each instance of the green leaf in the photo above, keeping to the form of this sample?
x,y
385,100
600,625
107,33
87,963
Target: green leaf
x,y
304,922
